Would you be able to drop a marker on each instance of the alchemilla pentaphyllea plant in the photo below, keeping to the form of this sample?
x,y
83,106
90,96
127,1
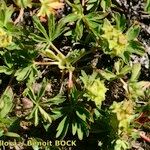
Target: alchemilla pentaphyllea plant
x,y
74,71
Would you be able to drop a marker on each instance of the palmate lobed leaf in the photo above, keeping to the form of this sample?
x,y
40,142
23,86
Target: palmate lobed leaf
x,y
55,29
41,106
78,116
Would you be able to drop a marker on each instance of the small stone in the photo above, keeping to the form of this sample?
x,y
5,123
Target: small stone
x,y
27,103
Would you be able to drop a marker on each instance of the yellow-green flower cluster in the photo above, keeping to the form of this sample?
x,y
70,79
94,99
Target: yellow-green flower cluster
x,y
96,91
116,39
5,39
124,112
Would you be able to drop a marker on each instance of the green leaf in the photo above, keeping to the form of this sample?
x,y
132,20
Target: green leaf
x,y
56,113
6,70
46,126
79,30
91,24
74,128
23,73
135,72
126,57
40,27
5,13
45,115
6,99
42,90
126,69
36,118
51,54
136,48
81,116
8,59
55,29
96,16
51,25
105,4
133,32
108,75
56,100
120,21
37,38
31,95
31,115
70,18
11,134
118,65
80,132
23,3
85,112
60,127
92,5
1,132
147,6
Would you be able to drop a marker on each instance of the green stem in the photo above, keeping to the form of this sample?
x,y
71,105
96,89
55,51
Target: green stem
x,y
36,4
68,3
55,48
45,63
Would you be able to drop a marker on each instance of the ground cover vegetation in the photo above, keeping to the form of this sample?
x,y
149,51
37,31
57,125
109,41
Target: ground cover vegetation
x,y
75,70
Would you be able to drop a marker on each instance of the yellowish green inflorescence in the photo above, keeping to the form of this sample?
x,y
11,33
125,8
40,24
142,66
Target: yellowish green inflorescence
x,y
95,88
96,91
5,38
124,112
117,41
